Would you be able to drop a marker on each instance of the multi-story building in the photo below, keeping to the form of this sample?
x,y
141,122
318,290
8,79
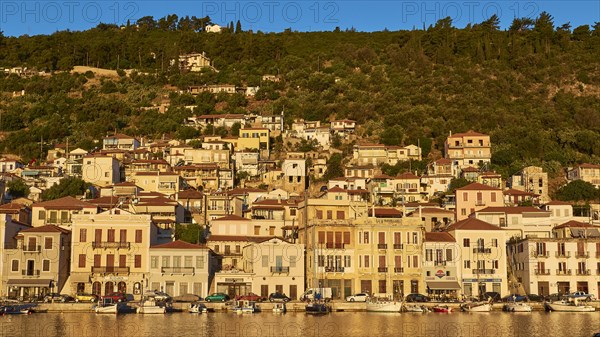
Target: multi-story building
x,y
120,142
439,175
9,229
482,266
221,157
441,255
519,222
343,127
255,138
39,264
408,188
586,172
531,179
377,154
180,268
272,122
110,252
468,149
294,175
59,211
474,197
161,182
566,262
194,62
201,176
101,170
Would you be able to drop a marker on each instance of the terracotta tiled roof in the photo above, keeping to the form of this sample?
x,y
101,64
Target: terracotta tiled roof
x,y
11,208
439,237
470,169
477,187
472,224
382,176
469,133
577,224
46,229
512,191
125,183
558,203
512,210
358,191
179,245
587,165
231,217
385,213
67,202
431,210
104,201
156,173
407,175
443,161
336,189
189,194
238,238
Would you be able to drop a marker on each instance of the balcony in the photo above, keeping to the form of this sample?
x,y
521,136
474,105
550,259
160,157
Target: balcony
x,y
334,245
563,272
30,273
439,263
484,271
382,269
541,254
398,269
563,254
582,255
381,246
597,271
112,270
398,246
334,269
177,270
280,269
479,203
482,250
32,249
583,272
542,271
117,245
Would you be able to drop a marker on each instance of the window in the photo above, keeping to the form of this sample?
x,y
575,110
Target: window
x,y
138,236
428,255
397,238
495,264
493,197
367,258
15,265
340,215
154,262
292,261
200,262
238,249
97,260
347,238
321,261
166,261
329,215
42,215
321,238
366,237
319,214
123,235
466,242
45,265
265,261
256,230
347,261
448,254
81,261
138,261
83,234
47,243
463,211
467,264
415,261
111,235
293,212
465,196
415,237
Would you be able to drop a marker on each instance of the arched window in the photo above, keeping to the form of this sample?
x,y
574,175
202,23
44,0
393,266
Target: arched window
x,y
96,288
109,287
122,286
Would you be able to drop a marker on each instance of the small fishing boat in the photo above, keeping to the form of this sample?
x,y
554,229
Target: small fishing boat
x,y
569,306
107,306
279,308
383,305
16,310
477,307
315,308
414,308
151,306
517,307
442,308
245,307
197,308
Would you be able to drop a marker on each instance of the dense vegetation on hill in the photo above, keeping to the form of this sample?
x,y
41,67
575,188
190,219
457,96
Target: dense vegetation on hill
x,y
534,88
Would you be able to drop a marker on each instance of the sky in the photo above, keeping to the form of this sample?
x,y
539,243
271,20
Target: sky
x,y
45,17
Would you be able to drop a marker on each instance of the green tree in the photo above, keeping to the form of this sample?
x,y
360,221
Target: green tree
x,y
577,190
457,183
192,233
17,188
70,186
334,167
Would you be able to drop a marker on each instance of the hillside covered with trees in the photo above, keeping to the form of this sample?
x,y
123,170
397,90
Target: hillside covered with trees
x,y
535,88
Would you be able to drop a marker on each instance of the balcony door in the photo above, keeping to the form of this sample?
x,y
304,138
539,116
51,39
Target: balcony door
x,y
32,242
30,268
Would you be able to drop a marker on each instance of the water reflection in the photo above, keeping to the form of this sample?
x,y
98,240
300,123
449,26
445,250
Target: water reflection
x,y
300,324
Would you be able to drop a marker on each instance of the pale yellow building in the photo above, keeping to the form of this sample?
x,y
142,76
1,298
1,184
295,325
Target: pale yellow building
x,y
586,172
59,211
101,170
468,149
166,183
110,252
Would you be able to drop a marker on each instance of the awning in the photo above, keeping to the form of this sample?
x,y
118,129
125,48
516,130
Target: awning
x,y
79,278
443,285
29,282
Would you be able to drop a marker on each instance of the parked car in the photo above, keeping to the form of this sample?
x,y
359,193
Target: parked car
x,y
278,297
493,295
158,295
83,297
362,297
116,297
251,297
554,297
190,298
582,295
54,297
417,298
535,298
217,297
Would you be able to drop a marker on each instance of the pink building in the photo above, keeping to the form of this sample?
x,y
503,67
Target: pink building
x,y
474,197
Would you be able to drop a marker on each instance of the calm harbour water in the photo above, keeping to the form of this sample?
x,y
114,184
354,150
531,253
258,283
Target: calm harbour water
x,y
300,324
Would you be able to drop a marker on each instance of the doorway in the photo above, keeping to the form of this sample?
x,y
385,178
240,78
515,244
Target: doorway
x,y
109,287
543,288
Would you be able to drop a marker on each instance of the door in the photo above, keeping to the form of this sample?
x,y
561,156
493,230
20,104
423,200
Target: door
x,y
414,286
108,288
563,287
80,287
122,261
111,235
398,289
293,291
467,289
264,290
543,288
96,288
365,287
110,263
582,286
279,263
98,235
170,287
30,267
31,245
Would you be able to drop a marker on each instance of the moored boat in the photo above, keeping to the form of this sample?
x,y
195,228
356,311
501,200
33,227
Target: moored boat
x,y
379,305
150,306
442,308
197,308
568,306
517,307
317,308
245,307
16,310
107,306
280,308
477,307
